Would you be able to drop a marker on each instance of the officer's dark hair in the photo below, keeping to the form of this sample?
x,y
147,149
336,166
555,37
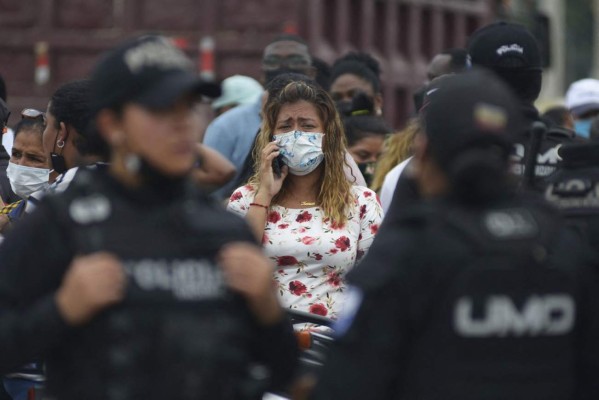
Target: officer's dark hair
x,y
28,124
479,173
359,127
71,104
2,89
360,64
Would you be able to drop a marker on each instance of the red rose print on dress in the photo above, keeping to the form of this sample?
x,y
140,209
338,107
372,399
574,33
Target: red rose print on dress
x,y
367,194
297,288
319,309
336,226
307,240
236,196
285,261
374,228
317,256
274,217
362,211
283,226
342,243
334,278
304,217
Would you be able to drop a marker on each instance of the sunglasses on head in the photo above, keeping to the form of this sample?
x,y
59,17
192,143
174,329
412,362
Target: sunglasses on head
x,y
32,113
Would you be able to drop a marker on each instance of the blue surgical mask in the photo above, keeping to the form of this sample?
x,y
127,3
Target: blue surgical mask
x,y
301,151
583,127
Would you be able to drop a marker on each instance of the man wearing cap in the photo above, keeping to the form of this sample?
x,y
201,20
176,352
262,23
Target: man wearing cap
x,y
237,90
512,53
582,98
232,133
454,302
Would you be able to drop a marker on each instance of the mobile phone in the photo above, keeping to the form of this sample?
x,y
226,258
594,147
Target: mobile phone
x,y
277,163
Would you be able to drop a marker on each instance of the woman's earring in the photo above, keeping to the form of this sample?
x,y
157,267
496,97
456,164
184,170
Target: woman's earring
x,y
132,163
60,144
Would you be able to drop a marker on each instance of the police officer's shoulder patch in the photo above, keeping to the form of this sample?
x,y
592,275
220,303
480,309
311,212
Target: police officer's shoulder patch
x,y
510,224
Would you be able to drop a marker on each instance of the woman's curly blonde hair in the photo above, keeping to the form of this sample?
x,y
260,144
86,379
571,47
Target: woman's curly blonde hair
x,y
334,195
398,147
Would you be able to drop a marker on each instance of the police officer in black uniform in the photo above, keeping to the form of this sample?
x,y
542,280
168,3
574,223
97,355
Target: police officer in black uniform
x,y
476,293
574,190
131,284
512,53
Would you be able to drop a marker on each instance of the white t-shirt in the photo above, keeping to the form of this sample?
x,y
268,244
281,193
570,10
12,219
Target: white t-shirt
x,y
311,254
390,182
7,140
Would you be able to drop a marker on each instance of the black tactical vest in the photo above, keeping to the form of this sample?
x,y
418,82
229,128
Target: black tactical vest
x,y
179,333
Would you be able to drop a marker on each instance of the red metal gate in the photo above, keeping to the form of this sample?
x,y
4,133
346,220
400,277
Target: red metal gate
x,y
402,34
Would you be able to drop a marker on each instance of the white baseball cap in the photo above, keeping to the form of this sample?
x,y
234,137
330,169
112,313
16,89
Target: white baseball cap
x,y
583,96
238,89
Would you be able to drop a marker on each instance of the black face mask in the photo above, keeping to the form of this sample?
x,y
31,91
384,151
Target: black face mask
x,y
367,170
58,162
360,104
344,107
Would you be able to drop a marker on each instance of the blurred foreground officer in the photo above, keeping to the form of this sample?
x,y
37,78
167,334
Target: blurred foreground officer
x,y
130,284
477,293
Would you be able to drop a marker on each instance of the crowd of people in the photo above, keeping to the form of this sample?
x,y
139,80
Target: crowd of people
x,y
455,258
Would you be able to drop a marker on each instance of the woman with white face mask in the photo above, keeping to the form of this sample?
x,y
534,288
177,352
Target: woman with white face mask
x,y
28,174
28,169
312,222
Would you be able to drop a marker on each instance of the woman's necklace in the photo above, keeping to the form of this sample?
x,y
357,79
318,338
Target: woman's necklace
x,y
303,203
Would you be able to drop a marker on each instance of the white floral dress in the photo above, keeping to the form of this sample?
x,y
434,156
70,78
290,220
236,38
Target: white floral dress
x,y
312,255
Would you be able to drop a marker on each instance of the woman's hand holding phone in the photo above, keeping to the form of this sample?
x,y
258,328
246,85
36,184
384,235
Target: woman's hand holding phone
x,y
273,172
